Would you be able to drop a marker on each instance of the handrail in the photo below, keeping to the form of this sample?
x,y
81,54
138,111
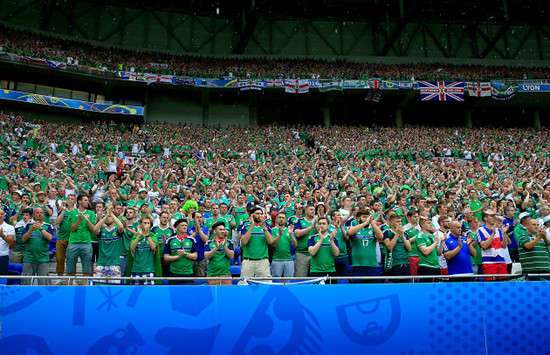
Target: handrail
x,y
413,279
114,73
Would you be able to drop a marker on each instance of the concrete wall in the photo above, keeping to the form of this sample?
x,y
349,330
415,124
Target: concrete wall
x,y
198,108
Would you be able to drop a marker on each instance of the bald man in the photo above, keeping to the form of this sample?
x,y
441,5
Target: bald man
x,y
457,250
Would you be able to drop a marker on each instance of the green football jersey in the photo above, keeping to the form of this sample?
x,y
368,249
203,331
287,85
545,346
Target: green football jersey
x,y
303,223
109,247
83,234
256,248
363,247
323,260
430,260
182,266
282,249
219,264
144,256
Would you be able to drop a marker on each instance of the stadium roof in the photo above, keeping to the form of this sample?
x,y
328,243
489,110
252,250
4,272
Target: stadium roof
x,y
461,11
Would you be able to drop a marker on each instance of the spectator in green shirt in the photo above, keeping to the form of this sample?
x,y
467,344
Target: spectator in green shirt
x,y
533,249
398,246
143,247
283,238
255,238
323,248
37,237
82,222
219,251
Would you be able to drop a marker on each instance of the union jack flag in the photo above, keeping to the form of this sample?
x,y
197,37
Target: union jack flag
x,y
441,91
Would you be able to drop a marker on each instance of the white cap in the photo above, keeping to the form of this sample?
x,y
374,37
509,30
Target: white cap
x,y
522,215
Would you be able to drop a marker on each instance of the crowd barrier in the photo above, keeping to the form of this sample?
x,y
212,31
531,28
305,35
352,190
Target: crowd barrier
x,y
430,318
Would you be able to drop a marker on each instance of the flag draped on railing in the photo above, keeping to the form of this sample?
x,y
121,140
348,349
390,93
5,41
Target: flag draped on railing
x,y
441,91
479,89
297,86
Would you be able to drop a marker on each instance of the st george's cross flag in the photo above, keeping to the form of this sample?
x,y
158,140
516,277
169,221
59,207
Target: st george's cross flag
x,y
441,91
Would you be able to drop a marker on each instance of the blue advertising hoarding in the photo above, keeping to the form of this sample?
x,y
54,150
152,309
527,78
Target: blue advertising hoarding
x,y
70,103
446,318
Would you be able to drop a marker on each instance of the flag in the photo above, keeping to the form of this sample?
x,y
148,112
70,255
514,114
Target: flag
x,y
503,92
251,85
375,84
405,85
441,91
330,86
159,78
297,86
479,89
34,61
374,96
131,76
274,83
186,81
54,65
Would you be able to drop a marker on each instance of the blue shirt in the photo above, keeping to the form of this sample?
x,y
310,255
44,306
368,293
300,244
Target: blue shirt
x,y
510,223
200,244
461,262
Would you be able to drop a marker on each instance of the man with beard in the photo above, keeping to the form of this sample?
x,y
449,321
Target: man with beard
x,y
254,239
303,229
283,265
364,235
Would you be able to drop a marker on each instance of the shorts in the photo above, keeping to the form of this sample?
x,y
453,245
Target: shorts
x,y
180,282
143,282
401,270
219,280
365,271
498,268
107,271
413,261
82,250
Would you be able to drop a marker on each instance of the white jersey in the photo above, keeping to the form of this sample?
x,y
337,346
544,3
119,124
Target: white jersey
x,y
4,246
440,258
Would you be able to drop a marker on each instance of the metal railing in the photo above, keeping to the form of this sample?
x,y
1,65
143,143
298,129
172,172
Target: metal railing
x,y
6,56
290,280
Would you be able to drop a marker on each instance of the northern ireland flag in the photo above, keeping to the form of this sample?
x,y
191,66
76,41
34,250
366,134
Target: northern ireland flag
x,y
297,86
159,78
441,91
274,83
479,89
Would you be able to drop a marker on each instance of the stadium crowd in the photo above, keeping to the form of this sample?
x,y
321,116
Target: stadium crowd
x,y
42,46
189,201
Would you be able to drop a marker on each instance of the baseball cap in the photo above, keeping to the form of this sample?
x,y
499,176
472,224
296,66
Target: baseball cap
x,y
522,215
141,190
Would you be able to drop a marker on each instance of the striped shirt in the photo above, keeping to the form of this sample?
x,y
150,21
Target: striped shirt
x,y
536,259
